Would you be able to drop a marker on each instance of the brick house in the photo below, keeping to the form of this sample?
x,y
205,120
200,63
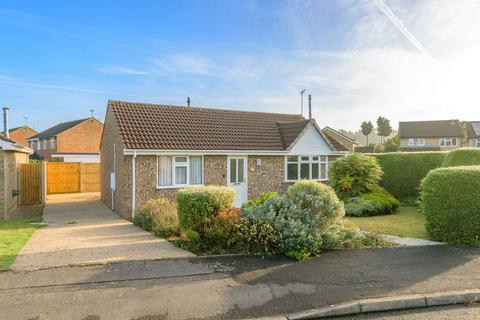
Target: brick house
x,y
349,143
73,141
21,134
11,154
438,135
149,151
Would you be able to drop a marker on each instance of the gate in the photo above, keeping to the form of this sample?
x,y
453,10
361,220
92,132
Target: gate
x,y
30,183
70,177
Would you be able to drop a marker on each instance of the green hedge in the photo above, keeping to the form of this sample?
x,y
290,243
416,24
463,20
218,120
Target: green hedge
x,y
197,205
451,203
403,171
462,157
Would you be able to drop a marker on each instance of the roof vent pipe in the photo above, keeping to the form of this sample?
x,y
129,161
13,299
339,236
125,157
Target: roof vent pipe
x,y
188,101
6,131
309,106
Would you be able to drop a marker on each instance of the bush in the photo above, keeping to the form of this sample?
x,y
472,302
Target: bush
x,y
403,171
451,201
354,175
386,201
220,236
260,200
160,217
462,157
301,223
198,205
359,207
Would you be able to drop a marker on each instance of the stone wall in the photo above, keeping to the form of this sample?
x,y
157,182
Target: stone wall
x,y
9,182
269,176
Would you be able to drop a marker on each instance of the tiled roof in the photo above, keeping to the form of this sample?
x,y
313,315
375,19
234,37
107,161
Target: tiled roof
x,y
430,129
473,129
337,145
53,131
164,127
2,137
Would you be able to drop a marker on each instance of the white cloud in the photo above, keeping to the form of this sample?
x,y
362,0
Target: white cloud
x,y
121,70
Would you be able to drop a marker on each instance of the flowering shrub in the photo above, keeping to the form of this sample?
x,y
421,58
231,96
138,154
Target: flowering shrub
x,y
303,222
159,216
354,175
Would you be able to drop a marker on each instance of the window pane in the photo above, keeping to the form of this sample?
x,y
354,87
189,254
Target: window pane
x,y
180,175
292,159
164,171
304,158
323,158
180,159
233,170
305,171
292,171
241,170
323,171
315,158
315,171
196,170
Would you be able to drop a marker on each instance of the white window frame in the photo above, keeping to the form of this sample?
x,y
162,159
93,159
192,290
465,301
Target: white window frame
x,y
181,164
44,144
416,142
322,159
448,142
475,143
52,143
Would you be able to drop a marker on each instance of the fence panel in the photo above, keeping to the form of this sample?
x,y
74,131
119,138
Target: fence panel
x,y
30,183
90,177
63,177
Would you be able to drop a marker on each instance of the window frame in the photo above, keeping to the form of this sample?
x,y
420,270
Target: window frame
x,y
52,143
321,159
475,142
444,142
416,142
176,164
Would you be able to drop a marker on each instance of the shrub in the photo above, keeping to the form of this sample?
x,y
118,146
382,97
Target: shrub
x,y
301,223
354,175
403,171
221,234
462,157
198,205
388,204
260,200
451,202
359,207
374,203
160,217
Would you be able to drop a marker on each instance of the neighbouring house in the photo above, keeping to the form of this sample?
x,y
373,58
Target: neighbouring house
x,y
21,134
438,135
150,150
347,142
73,141
11,154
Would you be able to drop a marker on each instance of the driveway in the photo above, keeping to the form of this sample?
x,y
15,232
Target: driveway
x,y
82,230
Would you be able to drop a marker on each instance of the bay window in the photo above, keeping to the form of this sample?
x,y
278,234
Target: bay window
x,y
306,167
179,171
448,142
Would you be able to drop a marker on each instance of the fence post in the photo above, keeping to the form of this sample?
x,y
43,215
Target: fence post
x,y
44,182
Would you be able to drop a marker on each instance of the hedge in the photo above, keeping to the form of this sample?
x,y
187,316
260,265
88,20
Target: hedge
x,y
403,171
451,203
197,205
462,157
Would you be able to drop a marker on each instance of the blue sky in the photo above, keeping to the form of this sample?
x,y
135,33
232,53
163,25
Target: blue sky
x,y
58,59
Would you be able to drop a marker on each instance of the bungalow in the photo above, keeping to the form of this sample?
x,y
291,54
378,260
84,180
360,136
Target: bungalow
x,y
149,150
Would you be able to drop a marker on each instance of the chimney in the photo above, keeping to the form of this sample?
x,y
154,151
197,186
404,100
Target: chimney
x,y
309,106
188,101
6,131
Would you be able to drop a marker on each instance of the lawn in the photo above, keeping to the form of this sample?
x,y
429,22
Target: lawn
x,y
406,222
14,234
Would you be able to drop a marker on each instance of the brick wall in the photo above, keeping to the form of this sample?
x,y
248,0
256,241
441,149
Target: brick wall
x,y
267,177
9,182
83,138
22,134
215,170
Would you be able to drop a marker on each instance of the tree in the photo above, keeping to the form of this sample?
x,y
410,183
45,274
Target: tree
x,y
392,144
384,129
367,128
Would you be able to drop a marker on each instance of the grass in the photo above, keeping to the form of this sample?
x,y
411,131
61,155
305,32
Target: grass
x,y
14,234
406,222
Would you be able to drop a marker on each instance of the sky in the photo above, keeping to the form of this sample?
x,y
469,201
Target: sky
x,y
359,59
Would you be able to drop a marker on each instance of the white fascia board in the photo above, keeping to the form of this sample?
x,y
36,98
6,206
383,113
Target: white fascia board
x,y
201,152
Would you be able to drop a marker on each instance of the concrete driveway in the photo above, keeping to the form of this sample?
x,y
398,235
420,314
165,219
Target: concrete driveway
x,y
82,230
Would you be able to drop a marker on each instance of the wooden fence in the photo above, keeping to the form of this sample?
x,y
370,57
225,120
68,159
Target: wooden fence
x,y
30,183
68,177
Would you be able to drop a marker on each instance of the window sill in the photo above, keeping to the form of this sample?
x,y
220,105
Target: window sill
x,y
316,180
179,186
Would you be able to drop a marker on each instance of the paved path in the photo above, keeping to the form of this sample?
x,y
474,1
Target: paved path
x,y
82,230
233,287
410,242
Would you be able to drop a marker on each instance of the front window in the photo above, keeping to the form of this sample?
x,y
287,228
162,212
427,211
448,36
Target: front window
x,y
448,142
475,143
52,143
306,167
179,171
416,142
44,144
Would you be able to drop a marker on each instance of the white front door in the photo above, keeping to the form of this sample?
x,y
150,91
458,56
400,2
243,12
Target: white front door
x,y
237,178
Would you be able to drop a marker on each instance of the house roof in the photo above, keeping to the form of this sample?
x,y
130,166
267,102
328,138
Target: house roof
x,y
473,129
339,133
16,128
337,145
166,127
53,131
8,144
430,129
2,137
